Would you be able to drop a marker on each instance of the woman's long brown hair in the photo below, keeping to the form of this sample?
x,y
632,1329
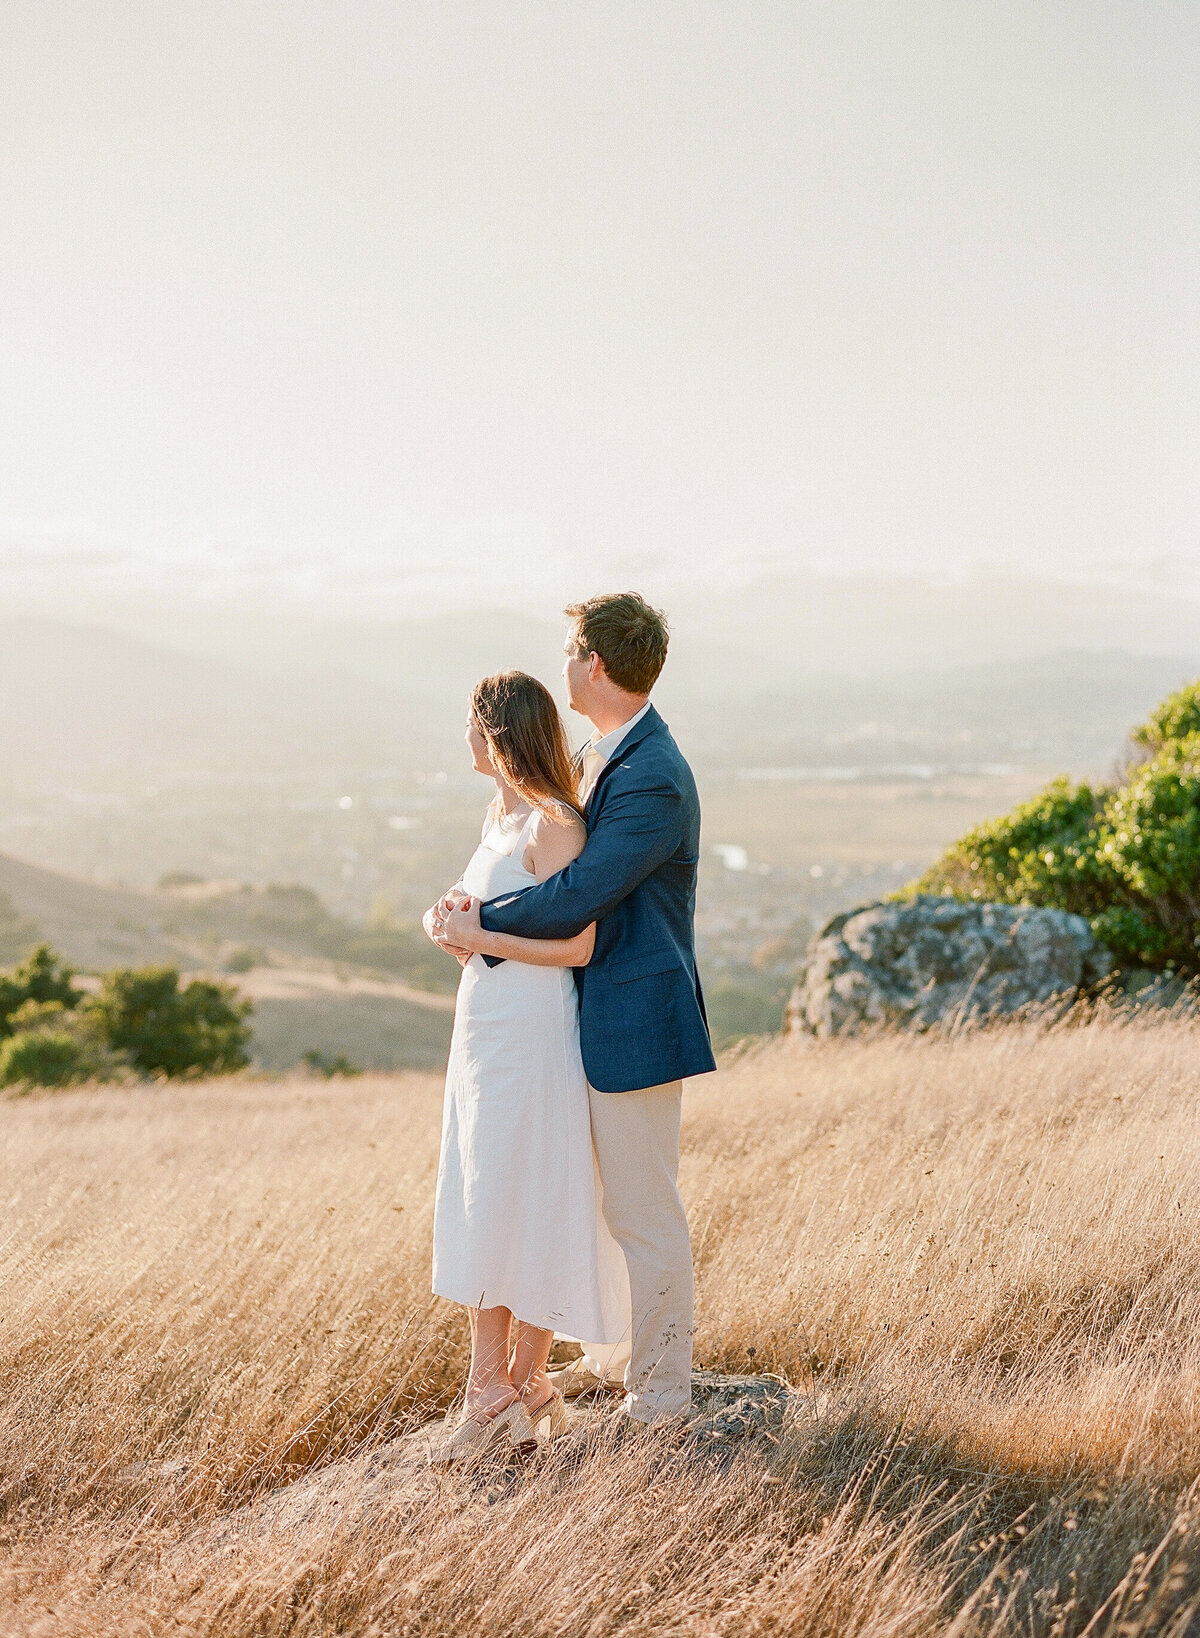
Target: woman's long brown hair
x,y
526,738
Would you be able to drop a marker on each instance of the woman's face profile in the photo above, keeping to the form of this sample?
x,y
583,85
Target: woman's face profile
x,y
478,747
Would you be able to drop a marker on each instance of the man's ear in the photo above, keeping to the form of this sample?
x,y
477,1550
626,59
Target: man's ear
x,y
595,667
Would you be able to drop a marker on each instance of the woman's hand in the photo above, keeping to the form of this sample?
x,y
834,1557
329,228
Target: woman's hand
x,y
461,927
433,923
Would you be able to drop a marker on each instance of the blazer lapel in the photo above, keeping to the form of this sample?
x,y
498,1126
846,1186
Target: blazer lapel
x,y
648,724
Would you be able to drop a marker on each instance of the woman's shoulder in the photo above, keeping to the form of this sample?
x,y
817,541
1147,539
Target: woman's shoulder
x,y
556,836
557,819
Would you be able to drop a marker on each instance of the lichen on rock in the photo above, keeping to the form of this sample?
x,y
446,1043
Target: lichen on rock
x,y
928,961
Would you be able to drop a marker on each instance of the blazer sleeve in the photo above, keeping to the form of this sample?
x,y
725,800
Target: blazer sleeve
x,y
638,830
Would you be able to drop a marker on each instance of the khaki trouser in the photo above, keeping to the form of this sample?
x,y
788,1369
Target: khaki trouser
x,y
636,1135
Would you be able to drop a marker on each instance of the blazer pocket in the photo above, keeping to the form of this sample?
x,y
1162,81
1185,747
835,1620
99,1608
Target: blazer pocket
x,y
644,966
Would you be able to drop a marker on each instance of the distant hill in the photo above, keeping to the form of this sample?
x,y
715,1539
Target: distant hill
x,y
92,926
438,660
1071,710
881,623
96,710
92,708
738,631
327,1005
18,934
206,923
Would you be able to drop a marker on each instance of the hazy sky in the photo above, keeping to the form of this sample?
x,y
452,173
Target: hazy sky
x,y
374,306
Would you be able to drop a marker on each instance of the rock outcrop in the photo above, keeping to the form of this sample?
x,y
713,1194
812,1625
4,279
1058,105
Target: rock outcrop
x,y
926,962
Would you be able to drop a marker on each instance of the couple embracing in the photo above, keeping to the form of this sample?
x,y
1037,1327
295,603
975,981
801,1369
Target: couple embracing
x,y
579,1014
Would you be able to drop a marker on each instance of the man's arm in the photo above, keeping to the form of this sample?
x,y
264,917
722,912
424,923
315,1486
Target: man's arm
x,y
638,831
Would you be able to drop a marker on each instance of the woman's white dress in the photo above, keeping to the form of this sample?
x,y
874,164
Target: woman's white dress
x,y
517,1223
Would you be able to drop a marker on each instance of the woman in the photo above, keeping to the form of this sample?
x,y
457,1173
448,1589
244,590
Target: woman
x,y
519,1239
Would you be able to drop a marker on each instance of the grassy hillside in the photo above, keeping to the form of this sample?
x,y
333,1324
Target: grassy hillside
x,y
91,925
370,1031
309,975
18,934
978,1260
196,923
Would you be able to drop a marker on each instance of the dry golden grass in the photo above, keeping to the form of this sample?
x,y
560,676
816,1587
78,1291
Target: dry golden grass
x,y
977,1260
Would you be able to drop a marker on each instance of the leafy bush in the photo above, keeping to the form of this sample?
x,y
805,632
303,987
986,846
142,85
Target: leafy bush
x,y
166,1030
1176,718
52,1044
1044,852
322,1063
41,978
51,1034
41,1015
1127,857
43,1057
1151,842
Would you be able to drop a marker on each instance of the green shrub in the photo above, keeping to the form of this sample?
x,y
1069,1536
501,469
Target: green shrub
x,y
40,1015
52,1035
166,1030
1151,842
322,1063
1127,856
43,1057
55,1045
1176,718
1044,852
41,977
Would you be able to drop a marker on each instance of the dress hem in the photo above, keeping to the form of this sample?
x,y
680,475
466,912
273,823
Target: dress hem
x,y
561,1324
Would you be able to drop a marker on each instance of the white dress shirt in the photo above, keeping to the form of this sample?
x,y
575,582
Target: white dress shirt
x,y
602,751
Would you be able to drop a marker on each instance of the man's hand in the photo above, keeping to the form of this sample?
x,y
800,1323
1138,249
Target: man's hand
x,y
433,918
449,901
461,927
433,921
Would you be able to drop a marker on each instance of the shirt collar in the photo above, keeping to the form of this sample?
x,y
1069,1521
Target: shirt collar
x,y
607,746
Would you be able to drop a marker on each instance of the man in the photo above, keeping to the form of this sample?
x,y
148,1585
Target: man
x,y
641,1012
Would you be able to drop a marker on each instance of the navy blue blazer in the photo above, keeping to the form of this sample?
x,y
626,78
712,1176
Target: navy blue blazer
x,y
641,1011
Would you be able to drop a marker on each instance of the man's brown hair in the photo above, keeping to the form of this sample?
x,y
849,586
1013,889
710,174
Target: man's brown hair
x,y
628,635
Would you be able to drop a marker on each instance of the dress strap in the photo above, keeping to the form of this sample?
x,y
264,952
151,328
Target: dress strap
x,y
522,841
519,841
